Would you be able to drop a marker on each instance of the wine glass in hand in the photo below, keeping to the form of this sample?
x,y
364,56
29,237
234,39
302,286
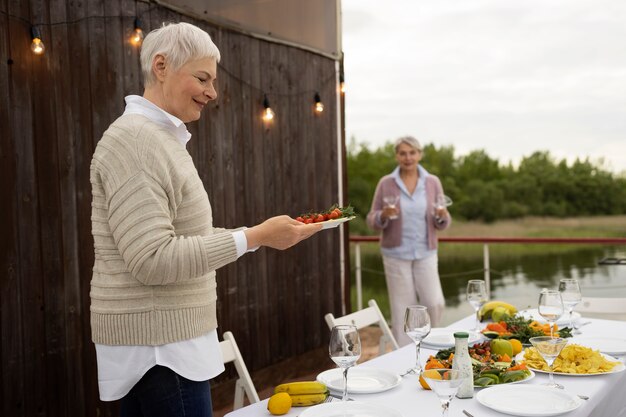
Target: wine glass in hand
x,y
441,202
445,383
570,293
549,348
477,296
344,349
390,203
417,327
550,307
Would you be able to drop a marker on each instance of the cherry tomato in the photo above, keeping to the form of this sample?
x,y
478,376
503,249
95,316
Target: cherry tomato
x,y
319,218
300,219
333,215
308,221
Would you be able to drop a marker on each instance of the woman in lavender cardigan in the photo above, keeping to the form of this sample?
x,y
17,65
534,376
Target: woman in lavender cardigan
x,y
409,235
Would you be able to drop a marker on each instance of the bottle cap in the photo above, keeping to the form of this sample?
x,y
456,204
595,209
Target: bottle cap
x,y
461,335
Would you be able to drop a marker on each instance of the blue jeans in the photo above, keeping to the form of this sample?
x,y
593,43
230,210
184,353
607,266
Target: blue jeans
x,y
161,392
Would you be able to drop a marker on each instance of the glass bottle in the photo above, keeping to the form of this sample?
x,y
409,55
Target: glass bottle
x,y
463,364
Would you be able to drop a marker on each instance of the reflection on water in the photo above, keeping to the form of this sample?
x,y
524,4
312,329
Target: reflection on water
x,y
516,277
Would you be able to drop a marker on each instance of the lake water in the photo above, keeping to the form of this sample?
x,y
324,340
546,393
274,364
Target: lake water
x,y
517,276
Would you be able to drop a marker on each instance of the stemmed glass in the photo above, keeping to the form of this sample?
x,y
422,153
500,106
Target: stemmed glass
x,y
570,293
445,383
550,307
549,348
417,327
477,296
344,349
442,201
391,201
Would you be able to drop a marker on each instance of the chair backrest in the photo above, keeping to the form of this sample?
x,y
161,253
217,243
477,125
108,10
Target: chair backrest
x,y
244,384
363,318
602,305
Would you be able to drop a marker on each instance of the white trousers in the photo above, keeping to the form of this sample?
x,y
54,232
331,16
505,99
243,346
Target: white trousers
x,y
406,282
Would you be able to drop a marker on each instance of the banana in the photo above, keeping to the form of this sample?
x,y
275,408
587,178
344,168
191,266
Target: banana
x,y
302,388
487,309
303,400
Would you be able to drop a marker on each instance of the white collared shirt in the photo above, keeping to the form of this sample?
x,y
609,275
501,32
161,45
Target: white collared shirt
x,y
199,359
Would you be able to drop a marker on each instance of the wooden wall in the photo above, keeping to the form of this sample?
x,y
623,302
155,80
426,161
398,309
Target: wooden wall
x,y
53,110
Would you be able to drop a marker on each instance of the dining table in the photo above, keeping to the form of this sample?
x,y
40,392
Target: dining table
x,y
605,393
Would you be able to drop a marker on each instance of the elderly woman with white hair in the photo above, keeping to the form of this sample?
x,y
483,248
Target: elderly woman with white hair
x,y
153,289
409,225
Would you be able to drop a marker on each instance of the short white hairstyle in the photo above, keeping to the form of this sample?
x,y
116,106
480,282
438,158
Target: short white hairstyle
x,y
179,43
408,140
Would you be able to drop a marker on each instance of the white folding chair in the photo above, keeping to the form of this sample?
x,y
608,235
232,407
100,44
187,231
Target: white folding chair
x,y
244,384
366,317
602,305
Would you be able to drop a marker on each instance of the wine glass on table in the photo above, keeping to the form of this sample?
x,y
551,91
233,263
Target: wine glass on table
x,y
550,307
417,327
390,202
570,293
344,349
445,383
549,348
477,296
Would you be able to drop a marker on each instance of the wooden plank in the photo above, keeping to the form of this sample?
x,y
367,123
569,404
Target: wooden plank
x,y
74,396
83,144
27,326
11,326
49,395
257,277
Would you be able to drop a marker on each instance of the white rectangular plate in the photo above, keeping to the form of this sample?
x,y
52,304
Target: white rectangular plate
x,y
528,400
328,224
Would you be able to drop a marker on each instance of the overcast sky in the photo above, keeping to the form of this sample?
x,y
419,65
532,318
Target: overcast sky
x,y
507,76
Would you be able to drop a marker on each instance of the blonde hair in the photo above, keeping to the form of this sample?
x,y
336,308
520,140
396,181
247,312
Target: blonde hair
x,y
179,43
409,140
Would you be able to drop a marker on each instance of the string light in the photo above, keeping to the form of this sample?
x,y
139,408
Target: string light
x,y
268,113
342,84
319,107
137,37
37,45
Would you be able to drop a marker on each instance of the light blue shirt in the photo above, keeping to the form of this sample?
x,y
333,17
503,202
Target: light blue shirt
x,y
414,244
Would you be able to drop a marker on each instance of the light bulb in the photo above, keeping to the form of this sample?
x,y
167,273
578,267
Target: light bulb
x,y
268,114
342,87
137,37
319,107
37,46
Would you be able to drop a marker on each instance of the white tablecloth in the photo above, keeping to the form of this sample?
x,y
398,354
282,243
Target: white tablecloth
x,y
607,392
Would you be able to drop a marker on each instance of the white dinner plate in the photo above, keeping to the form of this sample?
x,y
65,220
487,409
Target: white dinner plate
x,y
531,376
349,409
335,222
619,368
608,345
361,380
441,338
563,321
528,400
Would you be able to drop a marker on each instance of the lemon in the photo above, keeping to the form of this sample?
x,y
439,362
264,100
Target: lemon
x,y
279,404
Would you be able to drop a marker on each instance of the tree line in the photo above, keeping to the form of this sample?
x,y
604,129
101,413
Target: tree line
x,y
484,189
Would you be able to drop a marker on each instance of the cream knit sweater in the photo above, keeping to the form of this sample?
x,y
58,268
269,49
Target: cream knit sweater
x,y
156,250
